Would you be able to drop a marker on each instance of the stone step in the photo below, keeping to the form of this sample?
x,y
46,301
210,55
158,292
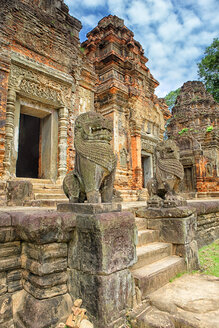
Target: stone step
x,y
41,186
141,223
50,196
48,191
147,236
152,252
32,180
155,275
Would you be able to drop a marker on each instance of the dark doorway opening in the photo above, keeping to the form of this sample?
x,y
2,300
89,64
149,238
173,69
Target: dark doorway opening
x,y
146,170
28,149
188,179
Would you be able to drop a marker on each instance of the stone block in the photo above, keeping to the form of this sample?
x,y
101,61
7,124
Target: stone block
x,y
5,309
190,253
10,263
18,192
43,227
175,230
44,268
14,281
103,243
89,208
10,249
106,297
46,281
3,283
159,213
5,219
42,253
42,293
7,234
32,313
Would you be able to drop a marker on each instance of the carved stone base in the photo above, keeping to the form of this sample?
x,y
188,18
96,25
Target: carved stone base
x,y
88,208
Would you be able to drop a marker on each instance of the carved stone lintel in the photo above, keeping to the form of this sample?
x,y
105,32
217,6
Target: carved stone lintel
x,y
9,130
63,126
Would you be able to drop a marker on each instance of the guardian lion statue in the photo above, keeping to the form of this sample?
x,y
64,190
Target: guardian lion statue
x,y
163,187
95,163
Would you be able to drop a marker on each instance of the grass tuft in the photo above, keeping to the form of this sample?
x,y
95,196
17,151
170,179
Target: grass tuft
x,y
209,259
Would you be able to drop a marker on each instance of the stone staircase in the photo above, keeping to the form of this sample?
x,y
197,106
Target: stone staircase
x,y
156,263
46,193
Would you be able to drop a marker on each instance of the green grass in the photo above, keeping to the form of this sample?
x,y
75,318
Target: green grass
x,y
209,259
178,275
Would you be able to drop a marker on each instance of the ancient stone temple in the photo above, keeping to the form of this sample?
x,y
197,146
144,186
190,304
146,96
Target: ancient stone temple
x,y
194,126
43,88
125,92
48,80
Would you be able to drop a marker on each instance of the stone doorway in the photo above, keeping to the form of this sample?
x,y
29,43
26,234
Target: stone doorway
x,y
188,179
146,161
35,150
28,147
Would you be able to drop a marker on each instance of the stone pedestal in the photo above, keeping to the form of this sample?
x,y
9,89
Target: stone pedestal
x,y
176,225
103,248
44,300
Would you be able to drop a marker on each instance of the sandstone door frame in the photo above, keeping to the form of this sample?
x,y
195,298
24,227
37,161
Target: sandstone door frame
x,y
52,93
146,157
48,152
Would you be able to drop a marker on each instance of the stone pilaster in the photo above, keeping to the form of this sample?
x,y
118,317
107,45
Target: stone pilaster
x,y
98,258
44,300
9,130
10,269
63,127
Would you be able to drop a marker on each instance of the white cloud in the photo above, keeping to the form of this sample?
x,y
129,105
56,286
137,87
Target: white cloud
x,y
90,20
174,33
138,13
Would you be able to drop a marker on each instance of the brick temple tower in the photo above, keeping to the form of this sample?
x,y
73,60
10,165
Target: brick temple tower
x,y
125,92
194,125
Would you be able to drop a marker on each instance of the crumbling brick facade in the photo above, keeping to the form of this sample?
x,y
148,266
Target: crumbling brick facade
x,y
194,126
41,76
125,92
48,79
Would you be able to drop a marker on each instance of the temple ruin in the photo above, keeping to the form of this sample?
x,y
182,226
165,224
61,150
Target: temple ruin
x,y
194,126
48,80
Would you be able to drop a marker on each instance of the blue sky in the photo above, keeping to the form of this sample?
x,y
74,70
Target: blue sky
x,y
173,33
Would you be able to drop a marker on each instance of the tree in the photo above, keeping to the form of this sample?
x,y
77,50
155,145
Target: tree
x,y
208,69
171,98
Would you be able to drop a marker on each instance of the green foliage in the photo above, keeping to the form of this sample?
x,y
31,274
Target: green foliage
x,y
82,49
183,131
171,98
209,128
178,275
209,259
208,69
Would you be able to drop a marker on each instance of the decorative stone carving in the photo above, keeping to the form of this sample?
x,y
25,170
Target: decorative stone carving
x,y
40,86
63,126
123,157
169,173
9,130
95,162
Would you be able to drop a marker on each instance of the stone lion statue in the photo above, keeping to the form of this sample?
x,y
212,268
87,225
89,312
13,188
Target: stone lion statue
x,y
95,163
163,187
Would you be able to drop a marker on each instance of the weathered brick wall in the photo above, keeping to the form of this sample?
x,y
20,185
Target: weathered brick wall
x,y
33,267
47,37
49,258
207,221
